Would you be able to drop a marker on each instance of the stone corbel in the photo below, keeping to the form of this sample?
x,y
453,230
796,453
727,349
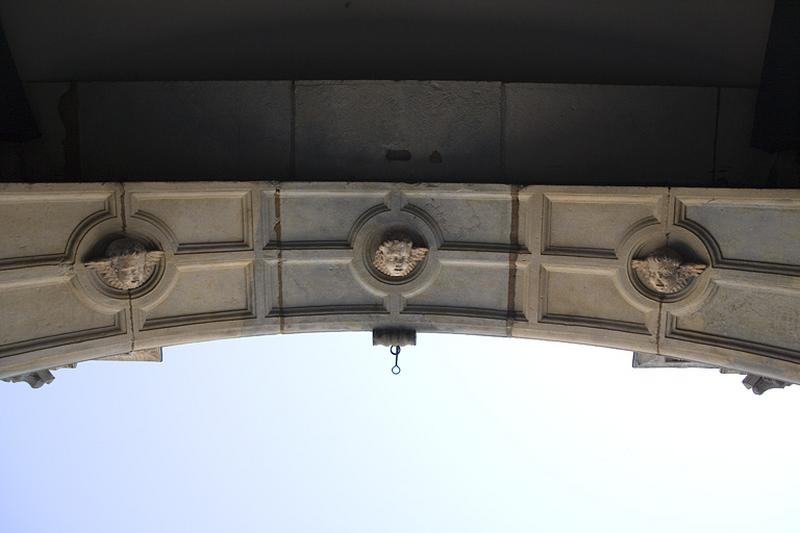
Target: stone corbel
x,y
38,378
757,384
760,384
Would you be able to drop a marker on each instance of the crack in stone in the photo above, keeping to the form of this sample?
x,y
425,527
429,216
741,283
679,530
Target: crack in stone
x,y
130,300
130,322
513,255
122,207
279,268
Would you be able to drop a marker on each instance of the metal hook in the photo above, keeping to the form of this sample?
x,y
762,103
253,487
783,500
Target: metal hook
x,y
395,351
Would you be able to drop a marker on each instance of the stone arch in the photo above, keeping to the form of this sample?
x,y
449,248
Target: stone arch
x,y
544,262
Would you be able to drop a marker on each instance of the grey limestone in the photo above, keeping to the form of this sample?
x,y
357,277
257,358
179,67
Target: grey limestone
x,y
178,130
417,131
737,163
37,378
651,360
263,257
759,384
609,135
398,130
753,382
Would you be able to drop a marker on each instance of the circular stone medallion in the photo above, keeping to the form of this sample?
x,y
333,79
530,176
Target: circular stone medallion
x,y
395,249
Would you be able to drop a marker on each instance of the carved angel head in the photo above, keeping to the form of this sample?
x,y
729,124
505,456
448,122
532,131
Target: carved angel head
x,y
665,272
127,264
397,258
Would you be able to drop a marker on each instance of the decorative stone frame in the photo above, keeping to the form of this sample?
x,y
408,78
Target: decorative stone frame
x,y
395,217
537,262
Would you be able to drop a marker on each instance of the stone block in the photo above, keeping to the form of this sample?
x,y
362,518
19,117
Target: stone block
x,y
181,130
738,163
398,130
609,135
204,292
49,106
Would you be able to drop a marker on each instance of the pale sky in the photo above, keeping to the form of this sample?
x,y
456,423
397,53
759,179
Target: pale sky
x,y
312,433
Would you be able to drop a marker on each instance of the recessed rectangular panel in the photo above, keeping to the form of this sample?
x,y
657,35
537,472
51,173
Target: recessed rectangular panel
x,y
317,284
481,288
200,221
747,317
325,216
755,234
469,217
49,313
207,293
587,297
593,225
37,228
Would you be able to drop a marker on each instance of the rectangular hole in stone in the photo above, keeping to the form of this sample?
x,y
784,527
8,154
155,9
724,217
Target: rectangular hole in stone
x,y
398,155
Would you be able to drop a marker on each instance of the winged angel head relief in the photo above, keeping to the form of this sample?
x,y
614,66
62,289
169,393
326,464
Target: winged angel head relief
x,y
127,264
398,257
665,272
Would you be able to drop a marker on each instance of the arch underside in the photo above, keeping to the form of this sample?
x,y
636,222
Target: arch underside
x,y
540,262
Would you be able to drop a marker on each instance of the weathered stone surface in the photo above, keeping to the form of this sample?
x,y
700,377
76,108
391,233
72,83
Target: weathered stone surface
x,y
609,135
382,130
249,258
554,133
48,155
149,355
37,378
764,218
394,337
750,238
41,225
759,384
737,163
179,130
406,130
755,383
652,360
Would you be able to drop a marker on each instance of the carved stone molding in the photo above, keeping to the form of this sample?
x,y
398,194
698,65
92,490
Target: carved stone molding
x,y
395,249
576,264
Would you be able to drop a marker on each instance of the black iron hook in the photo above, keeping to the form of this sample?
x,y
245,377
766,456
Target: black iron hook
x,y
395,351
